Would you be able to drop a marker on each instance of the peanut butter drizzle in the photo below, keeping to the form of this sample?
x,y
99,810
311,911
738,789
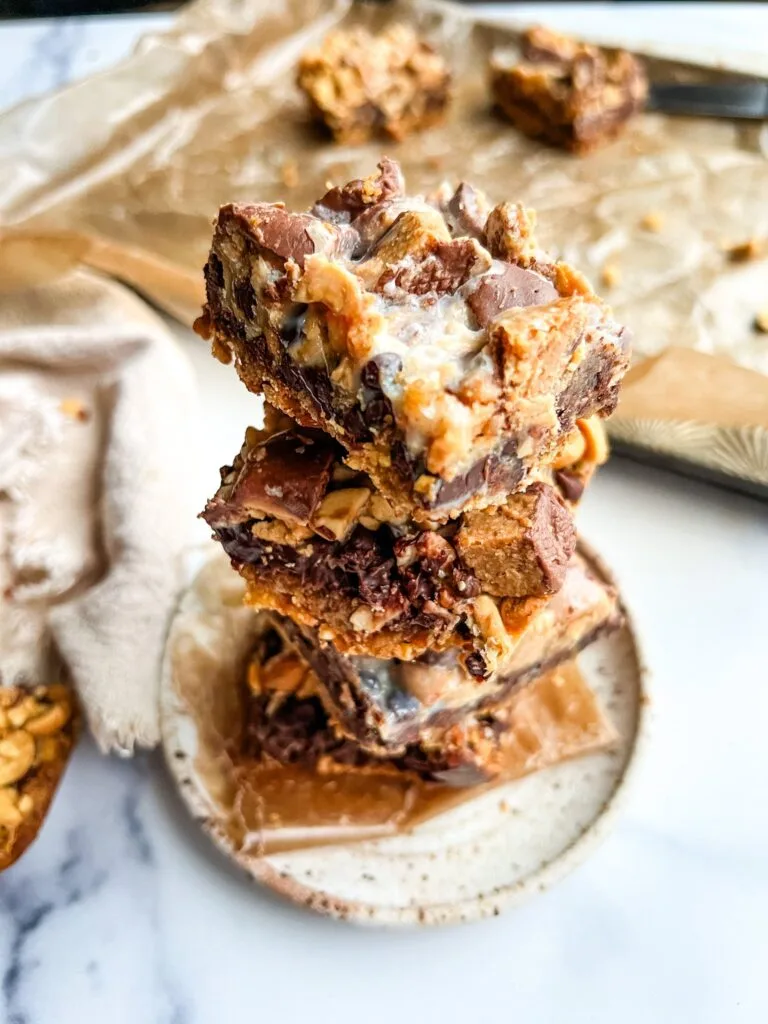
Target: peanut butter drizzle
x,y
276,809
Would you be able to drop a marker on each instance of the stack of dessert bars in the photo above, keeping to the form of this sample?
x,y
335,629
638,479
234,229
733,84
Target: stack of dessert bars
x,y
434,385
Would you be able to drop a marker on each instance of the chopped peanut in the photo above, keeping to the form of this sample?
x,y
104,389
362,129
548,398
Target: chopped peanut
x,y
652,221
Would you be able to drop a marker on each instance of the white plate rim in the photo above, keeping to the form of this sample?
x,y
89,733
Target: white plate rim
x,y
467,909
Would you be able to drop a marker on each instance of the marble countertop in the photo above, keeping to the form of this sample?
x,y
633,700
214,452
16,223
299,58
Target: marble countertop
x,y
123,912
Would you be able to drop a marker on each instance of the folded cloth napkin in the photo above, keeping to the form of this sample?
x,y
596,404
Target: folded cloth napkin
x,y
96,430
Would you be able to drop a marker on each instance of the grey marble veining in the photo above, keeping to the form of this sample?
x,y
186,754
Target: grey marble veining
x,y
79,914
36,56
46,60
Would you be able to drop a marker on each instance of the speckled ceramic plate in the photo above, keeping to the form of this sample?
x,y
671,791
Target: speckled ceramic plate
x,y
475,860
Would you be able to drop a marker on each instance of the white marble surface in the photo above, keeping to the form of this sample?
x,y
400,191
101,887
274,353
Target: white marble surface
x,y
122,912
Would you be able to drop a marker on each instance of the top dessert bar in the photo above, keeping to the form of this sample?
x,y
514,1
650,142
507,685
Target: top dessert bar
x,y
434,340
360,84
571,94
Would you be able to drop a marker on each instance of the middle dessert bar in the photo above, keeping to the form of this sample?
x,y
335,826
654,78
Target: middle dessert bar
x,y
315,541
432,338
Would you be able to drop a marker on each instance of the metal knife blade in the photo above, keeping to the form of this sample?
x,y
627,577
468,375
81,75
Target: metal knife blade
x,y
747,100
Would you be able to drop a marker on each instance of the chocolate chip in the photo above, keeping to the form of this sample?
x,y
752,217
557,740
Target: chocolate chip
x,y
504,469
475,665
295,731
592,388
456,490
387,364
513,287
245,297
464,581
378,411
465,213
355,424
292,327
570,485
369,375
318,384
377,407
214,271
402,461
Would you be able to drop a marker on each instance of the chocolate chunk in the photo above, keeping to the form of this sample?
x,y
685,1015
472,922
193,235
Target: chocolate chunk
x,y
514,286
378,411
445,269
292,327
569,484
245,297
593,387
424,562
504,469
455,491
285,235
499,471
465,213
286,477
342,204
552,535
368,557
373,223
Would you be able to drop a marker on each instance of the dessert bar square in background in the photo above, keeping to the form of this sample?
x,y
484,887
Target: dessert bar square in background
x,y
360,84
571,94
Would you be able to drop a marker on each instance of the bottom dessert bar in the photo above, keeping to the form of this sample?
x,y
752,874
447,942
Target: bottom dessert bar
x,y
286,723
386,704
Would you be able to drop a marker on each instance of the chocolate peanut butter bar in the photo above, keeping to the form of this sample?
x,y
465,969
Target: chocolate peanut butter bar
x,y
315,541
360,84
287,722
448,355
571,94
385,704
37,732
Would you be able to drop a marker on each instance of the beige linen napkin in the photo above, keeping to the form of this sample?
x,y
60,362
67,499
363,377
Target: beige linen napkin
x,y
96,428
